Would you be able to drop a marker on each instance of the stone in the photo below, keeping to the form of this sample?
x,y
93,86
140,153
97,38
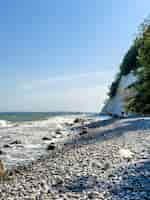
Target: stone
x,y
1,152
58,181
16,142
106,166
51,146
94,195
68,124
2,169
58,132
78,120
126,153
6,146
84,131
46,138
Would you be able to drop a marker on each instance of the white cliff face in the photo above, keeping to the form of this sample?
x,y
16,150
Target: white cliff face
x,y
127,80
115,105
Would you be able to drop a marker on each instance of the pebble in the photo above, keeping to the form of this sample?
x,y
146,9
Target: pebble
x,y
106,166
46,138
6,146
126,153
58,132
51,146
16,142
98,170
1,152
2,169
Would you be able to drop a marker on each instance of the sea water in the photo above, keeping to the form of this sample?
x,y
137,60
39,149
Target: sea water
x,y
28,129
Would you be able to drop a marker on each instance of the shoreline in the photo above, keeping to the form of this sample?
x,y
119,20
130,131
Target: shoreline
x,y
95,165
73,130
28,141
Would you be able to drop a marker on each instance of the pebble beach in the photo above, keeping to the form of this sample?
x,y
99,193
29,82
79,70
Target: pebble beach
x,y
102,160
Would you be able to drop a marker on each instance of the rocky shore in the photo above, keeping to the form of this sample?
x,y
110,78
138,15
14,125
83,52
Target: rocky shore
x,y
106,160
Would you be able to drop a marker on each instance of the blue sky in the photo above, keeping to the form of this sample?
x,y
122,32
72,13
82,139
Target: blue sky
x,y
61,55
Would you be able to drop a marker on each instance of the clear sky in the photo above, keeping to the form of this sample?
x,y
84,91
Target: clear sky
x,y
61,55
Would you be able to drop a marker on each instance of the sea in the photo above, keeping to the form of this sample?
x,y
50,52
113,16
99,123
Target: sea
x,y
34,116
22,133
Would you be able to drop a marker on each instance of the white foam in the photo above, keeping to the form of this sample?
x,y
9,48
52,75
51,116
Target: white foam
x,y
52,122
31,134
126,153
4,123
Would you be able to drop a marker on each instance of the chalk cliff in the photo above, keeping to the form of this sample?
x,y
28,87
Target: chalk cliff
x,y
115,105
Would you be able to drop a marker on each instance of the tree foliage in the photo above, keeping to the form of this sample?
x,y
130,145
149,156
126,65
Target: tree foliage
x,y
128,64
140,101
114,86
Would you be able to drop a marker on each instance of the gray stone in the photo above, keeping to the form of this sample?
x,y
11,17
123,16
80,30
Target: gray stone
x,y
16,142
51,146
46,138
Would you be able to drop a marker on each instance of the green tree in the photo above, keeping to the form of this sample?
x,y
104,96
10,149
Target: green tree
x,y
140,101
114,86
129,62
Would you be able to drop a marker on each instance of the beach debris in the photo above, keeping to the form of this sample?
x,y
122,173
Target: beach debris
x,y
2,169
16,142
51,146
46,138
126,153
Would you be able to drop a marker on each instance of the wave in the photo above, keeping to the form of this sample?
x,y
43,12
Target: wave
x,y
5,124
56,122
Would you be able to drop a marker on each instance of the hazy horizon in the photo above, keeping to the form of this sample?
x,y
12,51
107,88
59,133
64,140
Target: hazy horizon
x,y
63,55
